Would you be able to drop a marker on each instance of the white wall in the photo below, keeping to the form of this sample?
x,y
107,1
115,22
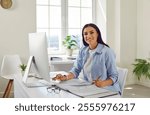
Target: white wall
x,y
15,24
122,32
128,33
143,30
143,33
101,17
113,26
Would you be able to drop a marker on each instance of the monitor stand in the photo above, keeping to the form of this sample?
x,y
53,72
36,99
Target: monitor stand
x,y
25,77
27,71
38,83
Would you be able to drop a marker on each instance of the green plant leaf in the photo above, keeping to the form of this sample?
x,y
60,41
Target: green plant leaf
x,y
141,68
23,67
69,43
140,60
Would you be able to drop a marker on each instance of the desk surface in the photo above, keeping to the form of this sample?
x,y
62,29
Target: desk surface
x,y
21,91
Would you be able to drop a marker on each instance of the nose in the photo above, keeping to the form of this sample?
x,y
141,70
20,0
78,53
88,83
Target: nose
x,y
88,35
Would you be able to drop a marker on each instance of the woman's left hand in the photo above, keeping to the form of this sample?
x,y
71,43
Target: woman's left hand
x,y
103,83
99,83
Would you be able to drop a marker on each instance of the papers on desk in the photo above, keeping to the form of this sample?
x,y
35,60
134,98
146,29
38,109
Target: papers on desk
x,y
84,89
75,82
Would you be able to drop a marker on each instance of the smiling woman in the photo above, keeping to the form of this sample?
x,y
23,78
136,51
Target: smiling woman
x,y
6,3
95,61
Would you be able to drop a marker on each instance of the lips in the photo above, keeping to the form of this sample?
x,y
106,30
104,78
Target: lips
x,y
89,39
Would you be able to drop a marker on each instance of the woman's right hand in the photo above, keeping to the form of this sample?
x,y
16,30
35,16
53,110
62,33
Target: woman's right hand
x,y
60,77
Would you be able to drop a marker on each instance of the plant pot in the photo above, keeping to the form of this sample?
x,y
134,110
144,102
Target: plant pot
x,y
69,52
22,72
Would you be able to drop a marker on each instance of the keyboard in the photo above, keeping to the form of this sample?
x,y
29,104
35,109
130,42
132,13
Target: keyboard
x,y
38,83
44,83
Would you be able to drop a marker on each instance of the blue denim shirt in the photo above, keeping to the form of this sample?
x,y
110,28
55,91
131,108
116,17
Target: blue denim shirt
x,y
103,65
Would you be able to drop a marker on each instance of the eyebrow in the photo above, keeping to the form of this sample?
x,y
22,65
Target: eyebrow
x,y
89,31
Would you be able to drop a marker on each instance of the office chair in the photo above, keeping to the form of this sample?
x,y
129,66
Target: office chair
x,y
122,78
10,67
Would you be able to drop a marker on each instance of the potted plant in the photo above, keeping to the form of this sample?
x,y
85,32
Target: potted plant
x,y
22,67
142,68
70,44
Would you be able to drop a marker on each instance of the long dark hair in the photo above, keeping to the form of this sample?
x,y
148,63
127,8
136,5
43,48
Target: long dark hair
x,y
99,39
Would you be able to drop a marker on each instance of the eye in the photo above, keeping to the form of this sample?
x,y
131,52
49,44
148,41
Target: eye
x,y
85,33
91,32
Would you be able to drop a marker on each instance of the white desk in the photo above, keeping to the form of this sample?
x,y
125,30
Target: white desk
x,y
21,91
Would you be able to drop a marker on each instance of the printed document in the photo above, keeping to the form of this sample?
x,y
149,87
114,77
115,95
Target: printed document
x,y
76,82
83,89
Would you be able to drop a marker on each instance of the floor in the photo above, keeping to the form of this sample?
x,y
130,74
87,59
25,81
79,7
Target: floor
x,y
136,91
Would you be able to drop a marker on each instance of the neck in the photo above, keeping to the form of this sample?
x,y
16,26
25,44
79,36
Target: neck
x,y
93,46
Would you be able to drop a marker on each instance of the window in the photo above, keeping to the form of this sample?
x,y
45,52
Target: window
x,y
59,18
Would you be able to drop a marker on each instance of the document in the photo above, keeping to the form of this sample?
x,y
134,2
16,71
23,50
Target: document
x,y
84,89
76,82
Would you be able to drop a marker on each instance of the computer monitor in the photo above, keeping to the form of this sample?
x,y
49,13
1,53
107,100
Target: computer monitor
x,y
38,61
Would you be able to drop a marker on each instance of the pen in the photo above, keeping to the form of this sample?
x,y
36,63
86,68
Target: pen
x,y
96,79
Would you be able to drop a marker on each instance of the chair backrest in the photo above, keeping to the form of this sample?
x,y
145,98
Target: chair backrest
x,y
122,77
10,65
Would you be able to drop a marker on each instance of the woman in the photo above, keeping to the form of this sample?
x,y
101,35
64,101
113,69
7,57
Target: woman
x,y
96,61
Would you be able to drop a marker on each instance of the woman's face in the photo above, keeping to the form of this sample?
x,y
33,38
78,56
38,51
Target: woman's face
x,y
90,36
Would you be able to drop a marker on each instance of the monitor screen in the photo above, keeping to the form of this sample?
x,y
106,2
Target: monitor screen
x,y
38,62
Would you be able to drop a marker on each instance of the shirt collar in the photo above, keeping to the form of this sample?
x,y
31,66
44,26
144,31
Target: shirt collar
x,y
98,48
